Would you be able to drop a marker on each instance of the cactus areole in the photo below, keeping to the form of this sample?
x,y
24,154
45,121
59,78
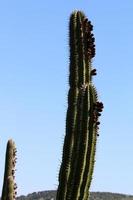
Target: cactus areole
x,y
82,119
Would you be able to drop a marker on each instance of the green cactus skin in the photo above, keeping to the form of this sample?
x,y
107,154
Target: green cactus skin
x,y
82,115
9,186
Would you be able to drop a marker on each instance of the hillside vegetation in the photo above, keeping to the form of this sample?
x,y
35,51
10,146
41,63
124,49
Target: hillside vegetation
x,y
50,195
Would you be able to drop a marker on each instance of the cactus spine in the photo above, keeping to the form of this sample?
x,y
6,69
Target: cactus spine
x,y
82,114
9,186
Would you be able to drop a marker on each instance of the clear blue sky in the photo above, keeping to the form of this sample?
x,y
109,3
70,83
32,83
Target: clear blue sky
x,y
34,60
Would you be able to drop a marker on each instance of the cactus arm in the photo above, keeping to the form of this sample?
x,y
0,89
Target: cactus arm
x,y
71,115
9,187
91,147
73,75
93,128
80,51
97,107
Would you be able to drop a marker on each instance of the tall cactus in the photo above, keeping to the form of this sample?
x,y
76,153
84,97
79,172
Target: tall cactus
x,y
82,115
9,186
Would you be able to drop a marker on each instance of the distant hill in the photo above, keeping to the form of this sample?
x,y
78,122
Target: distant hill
x,y
50,195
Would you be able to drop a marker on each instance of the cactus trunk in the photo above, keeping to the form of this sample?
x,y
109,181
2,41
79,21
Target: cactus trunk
x,y
82,115
9,187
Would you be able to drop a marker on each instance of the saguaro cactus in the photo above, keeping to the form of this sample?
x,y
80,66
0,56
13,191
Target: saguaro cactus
x,y
82,115
9,186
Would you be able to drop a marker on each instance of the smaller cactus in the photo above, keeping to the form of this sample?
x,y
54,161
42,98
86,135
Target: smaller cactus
x,y
9,186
